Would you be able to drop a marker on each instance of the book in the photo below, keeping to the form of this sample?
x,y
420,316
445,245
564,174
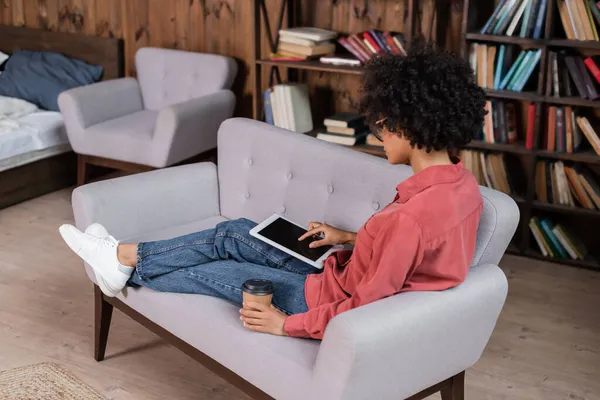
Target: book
x,y
512,70
378,39
342,139
489,123
517,17
560,133
551,134
267,107
568,129
546,240
502,121
310,33
572,241
519,72
593,68
581,194
484,170
540,181
348,131
336,60
549,67
511,123
594,10
530,67
548,174
575,75
296,107
277,107
554,243
289,55
590,185
371,42
494,17
307,51
301,41
506,20
530,126
499,65
565,19
527,15
345,120
355,52
564,75
537,235
589,133
563,241
541,17
590,17
373,141
491,56
589,85
555,86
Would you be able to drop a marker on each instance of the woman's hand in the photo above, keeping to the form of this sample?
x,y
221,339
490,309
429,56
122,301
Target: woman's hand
x,y
331,235
261,318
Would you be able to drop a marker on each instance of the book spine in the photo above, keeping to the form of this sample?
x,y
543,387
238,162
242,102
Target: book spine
x,y
390,42
530,126
564,74
268,107
493,18
575,75
517,18
590,19
555,84
535,9
591,65
371,42
519,73
548,229
377,39
549,75
512,70
360,46
550,247
568,129
507,18
344,42
526,16
537,236
499,63
563,241
510,114
502,128
589,133
576,29
560,133
595,11
589,85
525,78
551,138
539,24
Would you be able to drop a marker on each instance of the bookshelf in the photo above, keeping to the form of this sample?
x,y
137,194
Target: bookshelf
x,y
581,221
291,10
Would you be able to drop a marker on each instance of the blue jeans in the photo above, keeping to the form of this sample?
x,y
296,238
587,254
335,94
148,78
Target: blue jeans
x,y
216,262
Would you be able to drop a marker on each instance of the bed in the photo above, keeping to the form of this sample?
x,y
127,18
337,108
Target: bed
x,y
35,156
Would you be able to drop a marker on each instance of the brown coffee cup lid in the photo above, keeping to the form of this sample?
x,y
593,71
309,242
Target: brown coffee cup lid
x,y
258,287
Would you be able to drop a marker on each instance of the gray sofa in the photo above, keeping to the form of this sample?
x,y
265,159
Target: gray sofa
x,y
411,344
169,114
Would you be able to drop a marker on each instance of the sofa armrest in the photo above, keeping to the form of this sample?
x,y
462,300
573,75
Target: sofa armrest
x,y
136,204
190,128
398,346
89,105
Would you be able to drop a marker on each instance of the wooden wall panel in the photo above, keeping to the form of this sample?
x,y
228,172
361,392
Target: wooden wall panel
x,y
223,27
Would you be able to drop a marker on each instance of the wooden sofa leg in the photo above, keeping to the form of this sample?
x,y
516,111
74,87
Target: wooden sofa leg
x,y
456,389
81,169
103,315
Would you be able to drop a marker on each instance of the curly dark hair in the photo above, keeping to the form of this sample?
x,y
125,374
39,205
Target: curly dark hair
x,y
429,97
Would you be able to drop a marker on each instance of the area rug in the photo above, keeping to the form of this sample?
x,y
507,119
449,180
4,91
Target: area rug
x,y
46,381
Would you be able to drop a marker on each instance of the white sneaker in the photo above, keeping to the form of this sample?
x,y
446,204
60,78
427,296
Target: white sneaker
x,y
101,255
100,231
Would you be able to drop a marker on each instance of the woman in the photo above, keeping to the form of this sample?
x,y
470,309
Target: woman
x,y
421,106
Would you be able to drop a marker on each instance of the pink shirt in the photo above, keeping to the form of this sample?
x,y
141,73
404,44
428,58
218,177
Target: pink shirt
x,y
423,240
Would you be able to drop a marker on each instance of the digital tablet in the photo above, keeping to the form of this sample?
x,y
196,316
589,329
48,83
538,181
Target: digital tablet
x,y
283,234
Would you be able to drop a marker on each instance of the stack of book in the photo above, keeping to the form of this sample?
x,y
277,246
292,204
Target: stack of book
x,y
568,76
305,42
577,17
524,18
500,123
571,186
555,240
346,128
287,106
488,169
497,68
367,44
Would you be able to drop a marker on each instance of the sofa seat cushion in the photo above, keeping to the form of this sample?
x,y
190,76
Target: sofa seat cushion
x,y
127,138
212,326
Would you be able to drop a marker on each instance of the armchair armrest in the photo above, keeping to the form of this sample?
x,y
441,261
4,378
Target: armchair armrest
x,y
398,346
150,201
190,128
89,105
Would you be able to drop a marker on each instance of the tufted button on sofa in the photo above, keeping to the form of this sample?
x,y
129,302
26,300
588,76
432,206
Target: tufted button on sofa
x,y
169,114
407,344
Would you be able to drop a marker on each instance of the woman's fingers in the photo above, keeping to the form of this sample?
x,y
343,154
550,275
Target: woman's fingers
x,y
251,313
311,232
318,243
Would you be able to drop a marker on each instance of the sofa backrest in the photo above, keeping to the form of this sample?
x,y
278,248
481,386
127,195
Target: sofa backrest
x,y
264,170
169,77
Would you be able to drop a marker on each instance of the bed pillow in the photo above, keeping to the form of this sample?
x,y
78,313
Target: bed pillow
x,y
39,77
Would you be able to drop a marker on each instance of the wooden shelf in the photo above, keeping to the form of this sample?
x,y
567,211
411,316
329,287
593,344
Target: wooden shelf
x,y
572,101
528,42
587,263
580,44
312,65
515,148
510,95
542,205
373,150
586,157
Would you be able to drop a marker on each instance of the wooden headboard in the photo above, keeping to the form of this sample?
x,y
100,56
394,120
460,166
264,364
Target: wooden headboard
x,y
92,49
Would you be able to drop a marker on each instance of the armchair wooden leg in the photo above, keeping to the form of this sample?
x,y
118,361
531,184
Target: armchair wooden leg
x,y
81,169
103,315
456,389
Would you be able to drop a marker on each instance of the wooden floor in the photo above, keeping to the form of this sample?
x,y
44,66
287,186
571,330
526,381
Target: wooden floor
x,y
545,346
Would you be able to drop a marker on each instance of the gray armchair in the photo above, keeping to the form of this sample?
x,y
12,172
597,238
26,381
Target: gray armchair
x,y
171,113
407,345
